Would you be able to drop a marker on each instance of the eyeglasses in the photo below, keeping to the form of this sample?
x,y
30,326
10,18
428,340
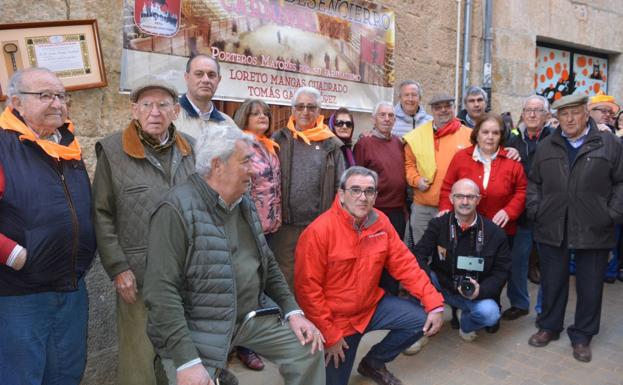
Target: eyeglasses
x,y
604,111
308,107
356,192
48,97
469,197
529,111
160,106
346,123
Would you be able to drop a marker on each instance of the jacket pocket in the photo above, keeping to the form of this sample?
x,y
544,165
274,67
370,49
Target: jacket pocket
x,y
137,259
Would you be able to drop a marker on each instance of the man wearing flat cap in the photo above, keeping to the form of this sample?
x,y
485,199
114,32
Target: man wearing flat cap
x,y
135,168
575,197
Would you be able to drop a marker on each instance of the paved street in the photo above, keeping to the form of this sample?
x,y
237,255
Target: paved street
x,y
504,358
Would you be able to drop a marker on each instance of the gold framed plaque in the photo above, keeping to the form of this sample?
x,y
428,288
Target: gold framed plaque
x,y
69,48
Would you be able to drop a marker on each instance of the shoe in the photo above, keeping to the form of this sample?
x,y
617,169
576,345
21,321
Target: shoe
x,y
467,337
416,347
610,279
493,328
620,275
582,352
512,313
250,359
534,275
542,338
381,376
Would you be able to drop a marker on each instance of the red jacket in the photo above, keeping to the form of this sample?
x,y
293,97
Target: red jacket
x,y
337,271
506,189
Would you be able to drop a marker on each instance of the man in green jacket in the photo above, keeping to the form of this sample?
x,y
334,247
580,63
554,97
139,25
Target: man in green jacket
x,y
211,280
136,167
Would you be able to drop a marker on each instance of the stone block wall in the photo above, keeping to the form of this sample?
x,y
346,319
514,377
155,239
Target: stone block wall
x,y
425,50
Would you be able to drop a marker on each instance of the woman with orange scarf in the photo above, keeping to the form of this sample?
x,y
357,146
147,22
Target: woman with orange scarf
x,y
254,118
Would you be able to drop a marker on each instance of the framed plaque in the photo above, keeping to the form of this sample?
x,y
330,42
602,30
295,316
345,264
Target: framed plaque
x,y
69,48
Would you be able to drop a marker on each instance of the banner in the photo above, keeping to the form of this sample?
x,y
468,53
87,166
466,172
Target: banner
x,y
267,48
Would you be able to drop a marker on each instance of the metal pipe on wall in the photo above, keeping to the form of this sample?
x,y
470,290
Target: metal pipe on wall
x,y
458,55
466,45
488,43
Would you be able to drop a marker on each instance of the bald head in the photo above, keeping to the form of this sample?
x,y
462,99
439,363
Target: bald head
x,y
465,184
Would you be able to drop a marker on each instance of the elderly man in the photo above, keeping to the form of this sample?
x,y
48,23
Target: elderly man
x,y
525,138
474,106
575,197
384,153
311,164
203,74
470,259
135,168
212,282
602,108
409,112
428,152
47,242
339,259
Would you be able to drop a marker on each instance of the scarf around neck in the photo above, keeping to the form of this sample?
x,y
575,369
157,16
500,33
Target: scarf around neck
x,y
318,133
265,141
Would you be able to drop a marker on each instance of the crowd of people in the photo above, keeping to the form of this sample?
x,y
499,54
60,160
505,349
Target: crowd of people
x,y
290,243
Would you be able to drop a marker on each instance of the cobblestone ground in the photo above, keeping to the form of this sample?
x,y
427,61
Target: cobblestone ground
x,y
504,358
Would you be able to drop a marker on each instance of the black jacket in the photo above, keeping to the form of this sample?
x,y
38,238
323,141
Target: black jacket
x,y
581,201
495,252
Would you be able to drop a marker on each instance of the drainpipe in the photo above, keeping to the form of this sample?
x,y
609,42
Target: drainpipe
x,y
486,67
466,45
458,56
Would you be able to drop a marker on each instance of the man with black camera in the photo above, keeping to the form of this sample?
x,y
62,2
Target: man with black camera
x,y
470,259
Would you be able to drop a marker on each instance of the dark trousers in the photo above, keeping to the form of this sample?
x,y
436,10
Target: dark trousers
x,y
397,217
590,268
402,317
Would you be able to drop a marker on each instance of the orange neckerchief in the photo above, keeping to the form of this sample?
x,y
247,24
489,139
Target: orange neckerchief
x,y
9,121
316,134
265,141
450,128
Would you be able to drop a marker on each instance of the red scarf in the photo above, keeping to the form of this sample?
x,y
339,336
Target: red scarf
x,y
450,128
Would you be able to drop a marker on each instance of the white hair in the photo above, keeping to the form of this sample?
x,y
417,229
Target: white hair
x,y
16,83
217,142
381,104
540,98
311,91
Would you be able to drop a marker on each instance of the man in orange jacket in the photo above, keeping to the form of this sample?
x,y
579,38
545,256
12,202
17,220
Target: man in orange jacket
x,y
338,264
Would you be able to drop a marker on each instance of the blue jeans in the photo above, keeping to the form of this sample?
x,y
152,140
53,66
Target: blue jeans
x,y
517,289
43,338
475,313
402,317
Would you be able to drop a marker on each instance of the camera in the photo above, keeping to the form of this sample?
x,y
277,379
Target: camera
x,y
470,267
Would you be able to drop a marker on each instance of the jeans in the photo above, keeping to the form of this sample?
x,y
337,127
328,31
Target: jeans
x,y
43,338
517,289
402,317
475,313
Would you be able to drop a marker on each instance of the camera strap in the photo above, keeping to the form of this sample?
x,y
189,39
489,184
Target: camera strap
x,y
454,237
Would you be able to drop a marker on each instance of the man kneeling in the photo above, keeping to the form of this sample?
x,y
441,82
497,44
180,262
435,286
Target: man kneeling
x,y
470,259
211,277
338,265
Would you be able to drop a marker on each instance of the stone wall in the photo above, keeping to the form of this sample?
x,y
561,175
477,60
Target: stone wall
x,y
425,50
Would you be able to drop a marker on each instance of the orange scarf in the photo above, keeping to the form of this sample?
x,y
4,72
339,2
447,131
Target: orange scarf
x,y
265,141
315,134
9,121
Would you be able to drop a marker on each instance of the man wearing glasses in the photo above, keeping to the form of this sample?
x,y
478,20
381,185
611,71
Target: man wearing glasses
x,y
470,259
603,108
135,168
311,164
47,242
339,259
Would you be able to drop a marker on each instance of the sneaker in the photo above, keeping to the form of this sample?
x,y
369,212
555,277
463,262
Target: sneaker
x,y
416,347
467,337
381,376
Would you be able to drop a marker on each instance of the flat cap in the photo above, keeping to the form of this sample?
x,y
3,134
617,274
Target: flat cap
x,y
440,98
570,101
149,83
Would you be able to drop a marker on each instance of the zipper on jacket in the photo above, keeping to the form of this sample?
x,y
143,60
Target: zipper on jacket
x,y
74,223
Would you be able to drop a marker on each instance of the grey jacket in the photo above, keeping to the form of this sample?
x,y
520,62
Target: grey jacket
x,y
129,182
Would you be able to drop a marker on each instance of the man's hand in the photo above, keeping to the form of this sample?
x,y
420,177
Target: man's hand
x,y
513,154
195,375
335,353
433,323
125,283
476,289
306,332
20,260
603,128
501,218
423,184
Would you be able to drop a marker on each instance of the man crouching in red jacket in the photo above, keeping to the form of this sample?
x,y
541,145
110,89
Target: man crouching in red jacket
x,y
338,264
